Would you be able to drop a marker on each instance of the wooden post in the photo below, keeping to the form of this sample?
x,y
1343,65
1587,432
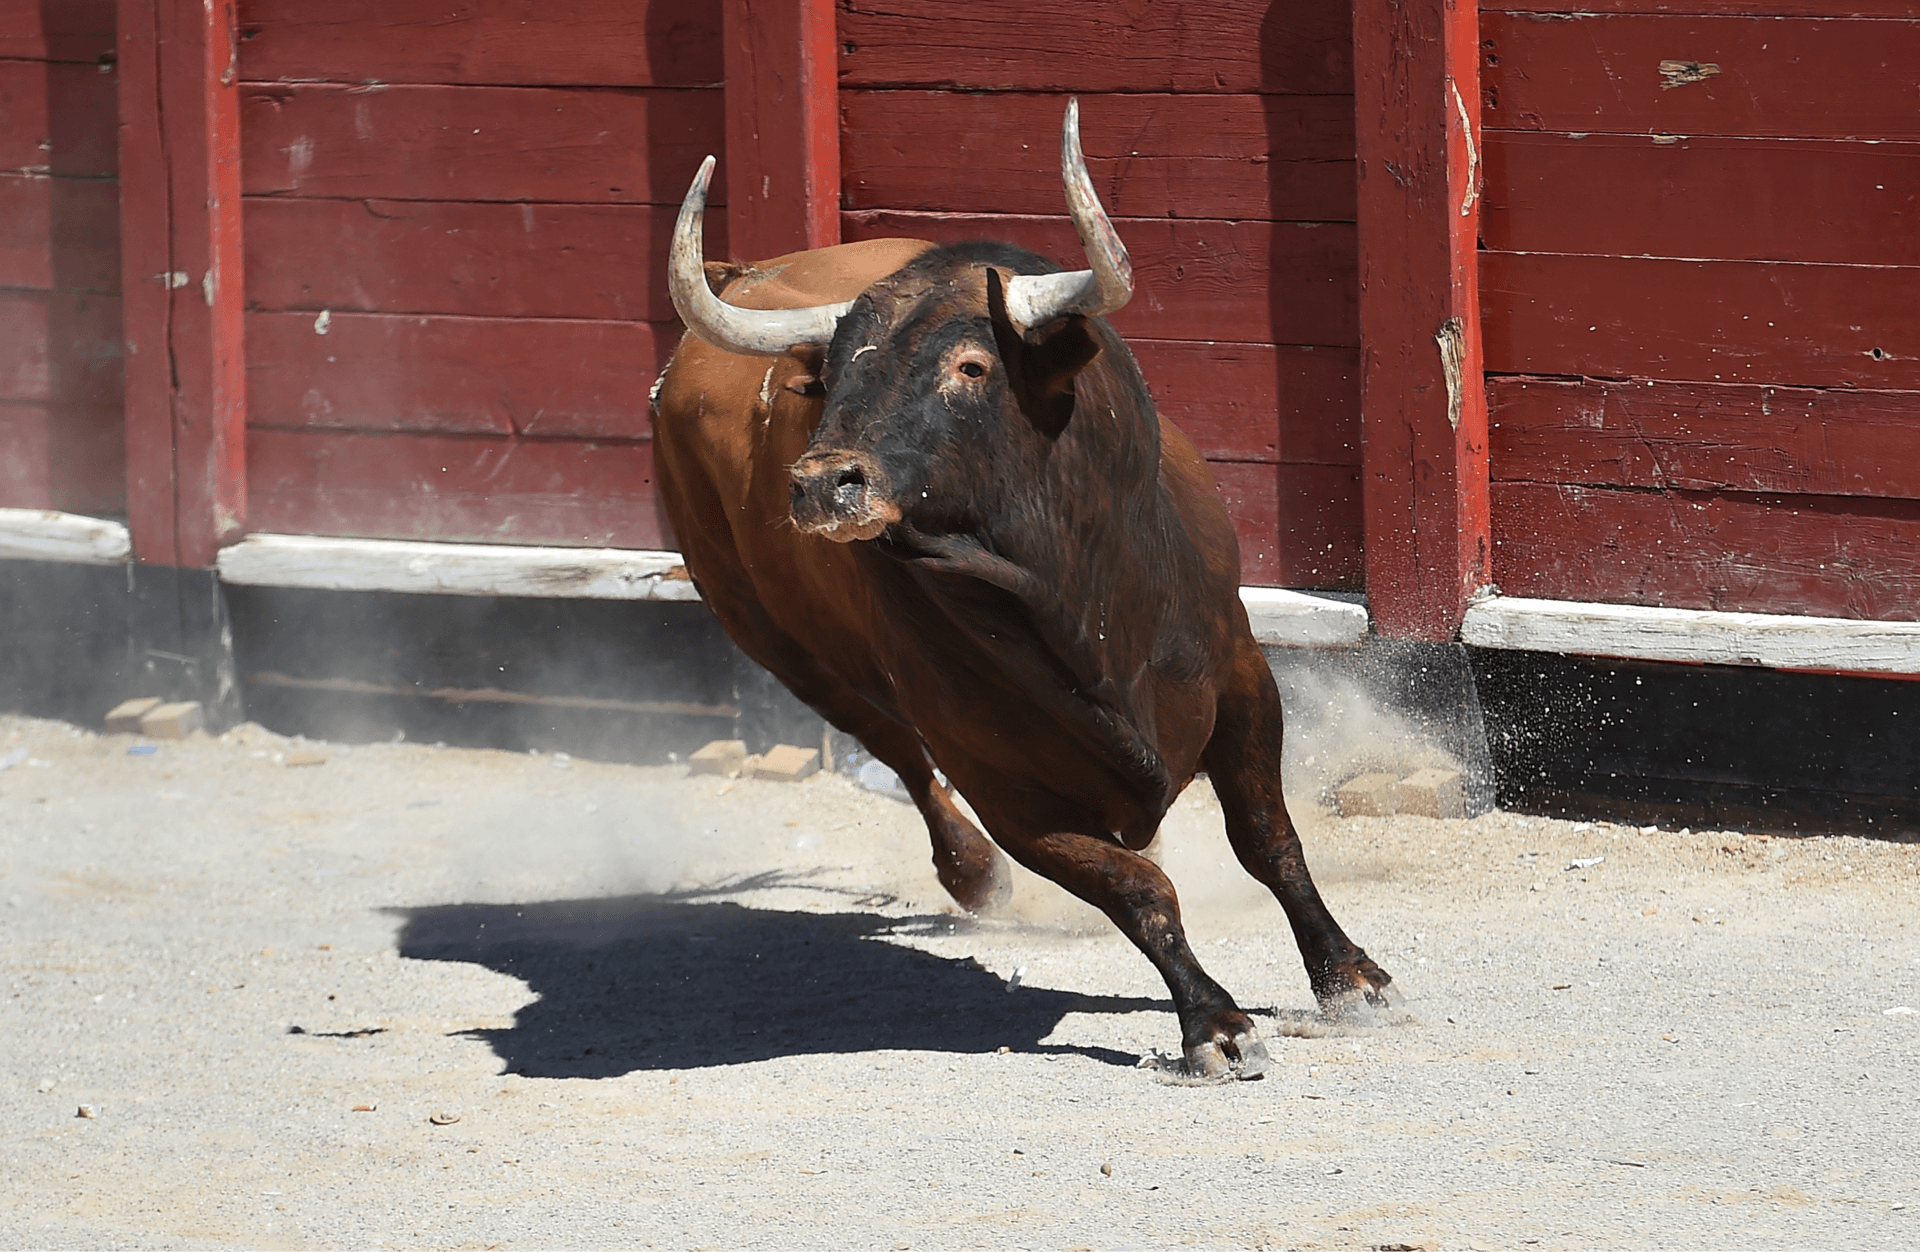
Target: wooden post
x,y
1422,395
182,279
783,127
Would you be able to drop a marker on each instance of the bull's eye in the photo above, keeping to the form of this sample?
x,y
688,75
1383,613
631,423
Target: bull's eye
x,y
973,369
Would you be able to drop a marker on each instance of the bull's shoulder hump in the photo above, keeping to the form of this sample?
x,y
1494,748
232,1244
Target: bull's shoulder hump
x,y
833,275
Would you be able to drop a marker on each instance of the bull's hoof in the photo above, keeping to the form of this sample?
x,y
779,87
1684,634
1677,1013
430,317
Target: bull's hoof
x,y
981,887
1242,1057
1360,982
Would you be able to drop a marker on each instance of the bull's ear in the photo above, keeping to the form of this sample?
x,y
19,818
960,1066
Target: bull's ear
x,y
1041,364
812,358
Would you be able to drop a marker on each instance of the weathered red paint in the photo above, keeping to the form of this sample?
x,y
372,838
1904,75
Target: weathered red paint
x,y
1709,321
1424,439
606,43
1069,45
783,129
1833,78
454,375
455,488
180,215
1822,555
1257,401
1269,158
1831,201
1299,525
1705,436
563,144
1735,8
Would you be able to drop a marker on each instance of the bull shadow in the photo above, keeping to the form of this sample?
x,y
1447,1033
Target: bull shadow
x,y
684,981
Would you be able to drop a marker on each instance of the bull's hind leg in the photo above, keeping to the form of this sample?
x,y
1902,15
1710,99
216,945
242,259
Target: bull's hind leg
x,y
1243,760
1218,1039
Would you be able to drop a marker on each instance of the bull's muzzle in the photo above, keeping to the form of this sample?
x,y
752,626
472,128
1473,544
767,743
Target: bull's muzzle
x,y
842,496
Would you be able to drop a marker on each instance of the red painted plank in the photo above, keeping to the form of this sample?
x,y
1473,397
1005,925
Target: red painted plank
x,y
63,30
1692,550
585,145
1729,8
59,233
1698,436
484,490
783,127
1272,158
24,371
1711,321
1834,78
1423,410
1299,525
26,458
477,260
180,214
1831,201
25,142
1300,48
1258,402
612,43
1238,282
82,121
454,375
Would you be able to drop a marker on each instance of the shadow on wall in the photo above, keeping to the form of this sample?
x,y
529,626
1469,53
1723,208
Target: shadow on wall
x,y
681,981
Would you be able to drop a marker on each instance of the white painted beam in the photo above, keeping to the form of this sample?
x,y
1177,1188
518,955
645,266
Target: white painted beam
x,y
44,535
460,569
1294,619
1694,635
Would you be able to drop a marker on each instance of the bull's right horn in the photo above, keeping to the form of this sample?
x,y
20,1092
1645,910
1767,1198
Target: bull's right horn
x,y
1036,299
749,332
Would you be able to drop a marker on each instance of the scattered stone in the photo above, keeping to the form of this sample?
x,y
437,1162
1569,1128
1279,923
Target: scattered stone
x,y
1433,792
1106,1167
172,721
1369,795
126,715
722,756
785,763
87,1111
443,1118
297,760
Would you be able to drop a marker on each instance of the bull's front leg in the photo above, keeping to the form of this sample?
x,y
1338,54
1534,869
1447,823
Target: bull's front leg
x,y
1243,762
1218,1039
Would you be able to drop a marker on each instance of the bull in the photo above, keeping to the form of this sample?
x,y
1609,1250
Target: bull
x,y
926,487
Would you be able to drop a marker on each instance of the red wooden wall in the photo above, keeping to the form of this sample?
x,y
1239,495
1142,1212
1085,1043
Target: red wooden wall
x,y
456,214
62,432
1701,309
1220,136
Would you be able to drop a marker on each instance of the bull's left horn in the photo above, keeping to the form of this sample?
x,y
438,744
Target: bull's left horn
x,y
749,332
1036,299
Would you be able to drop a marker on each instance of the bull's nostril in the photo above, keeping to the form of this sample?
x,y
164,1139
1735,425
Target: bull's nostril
x,y
849,476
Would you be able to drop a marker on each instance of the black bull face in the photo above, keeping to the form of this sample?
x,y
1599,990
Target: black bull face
x,y
937,408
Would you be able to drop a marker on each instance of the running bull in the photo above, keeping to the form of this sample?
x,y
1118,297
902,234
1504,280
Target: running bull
x,y
928,489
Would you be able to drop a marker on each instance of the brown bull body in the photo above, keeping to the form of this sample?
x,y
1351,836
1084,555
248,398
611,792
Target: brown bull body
x,y
982,549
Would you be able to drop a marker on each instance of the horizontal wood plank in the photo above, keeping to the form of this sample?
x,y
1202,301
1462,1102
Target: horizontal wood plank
x,y
1271,158
66,30
582,145
493,376
1719,8
458,488
603,262
609,43
1708,321
1299,525
1829,556
25,142
1258,402
1834,78
1840,202
59,233
1301,48
458,569
1698,436
1235,282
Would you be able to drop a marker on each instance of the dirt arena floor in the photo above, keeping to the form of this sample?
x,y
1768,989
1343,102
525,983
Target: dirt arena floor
x,y
263,993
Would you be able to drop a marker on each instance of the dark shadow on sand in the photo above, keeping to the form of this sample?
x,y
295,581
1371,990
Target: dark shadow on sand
x,y
648,982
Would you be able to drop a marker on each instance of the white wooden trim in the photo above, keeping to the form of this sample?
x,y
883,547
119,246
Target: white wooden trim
x,y
460,569
44,535
1294,619
1695,635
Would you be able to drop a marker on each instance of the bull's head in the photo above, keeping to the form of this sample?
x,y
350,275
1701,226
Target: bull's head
x,y
920,369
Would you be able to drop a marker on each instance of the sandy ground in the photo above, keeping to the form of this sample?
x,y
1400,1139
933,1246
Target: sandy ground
x,y
659,1011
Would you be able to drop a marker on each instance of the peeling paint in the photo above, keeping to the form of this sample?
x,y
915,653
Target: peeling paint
x,y
1473,161
1680,73
323,322
1452,339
